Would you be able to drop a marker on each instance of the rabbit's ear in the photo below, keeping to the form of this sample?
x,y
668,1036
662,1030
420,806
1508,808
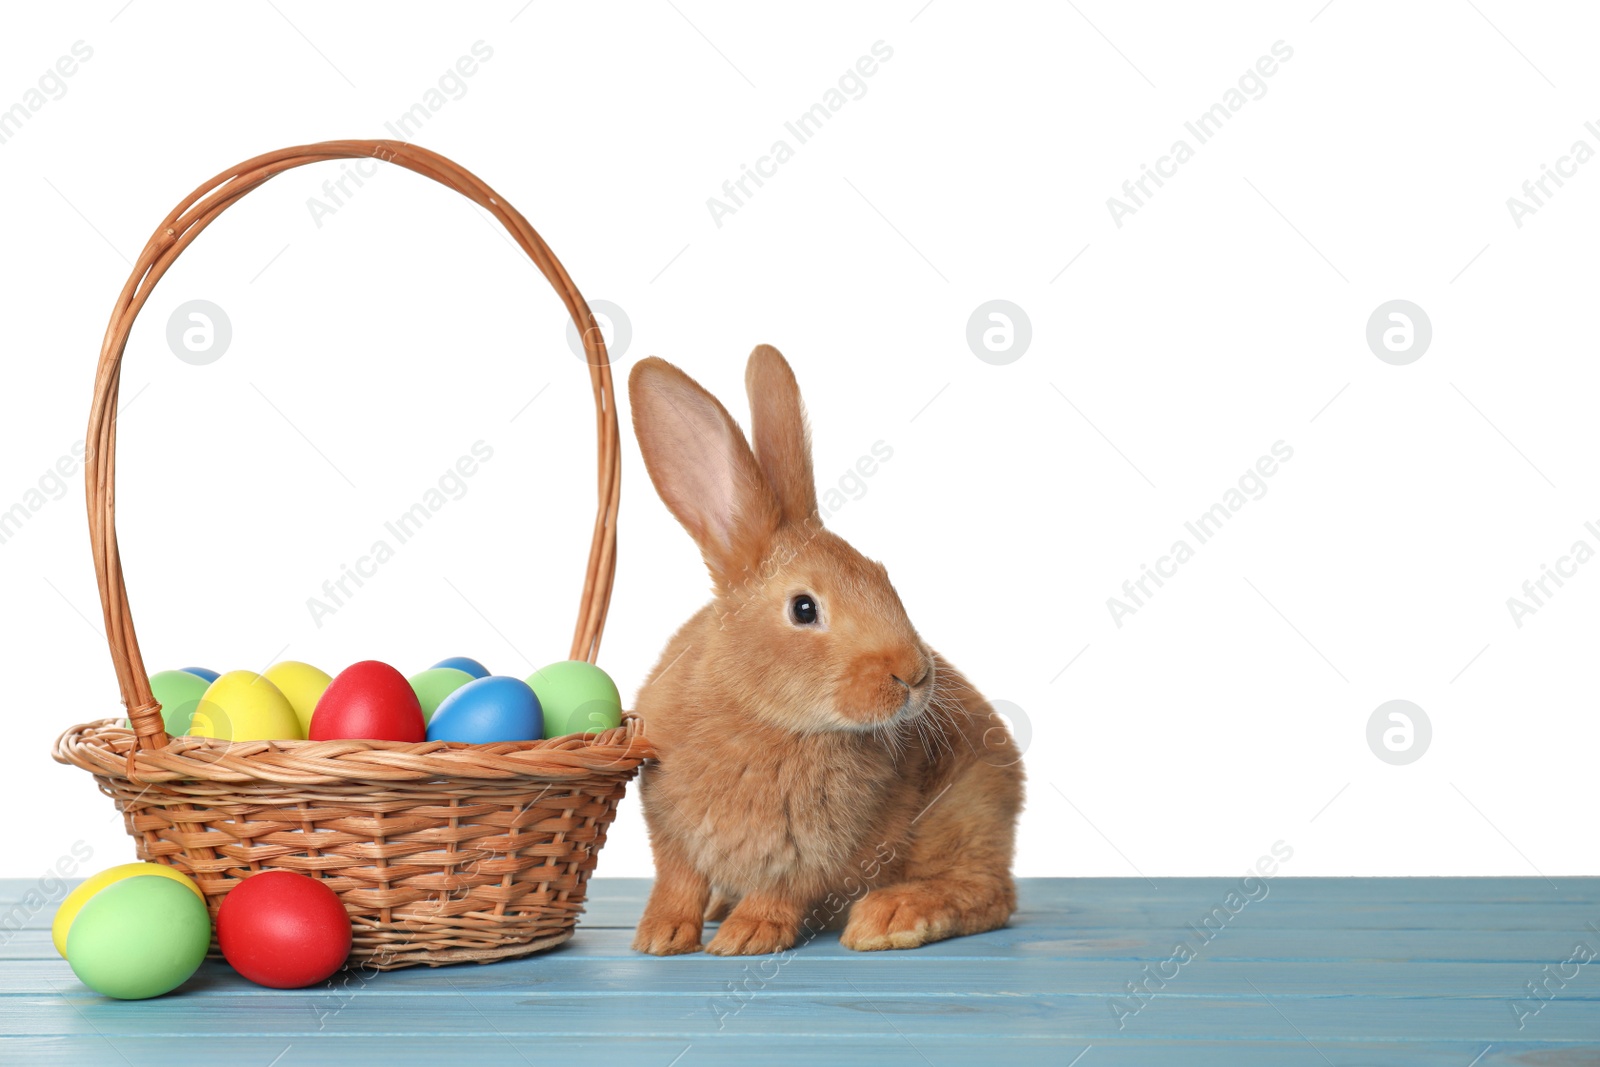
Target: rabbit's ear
x,y
702,468
779,433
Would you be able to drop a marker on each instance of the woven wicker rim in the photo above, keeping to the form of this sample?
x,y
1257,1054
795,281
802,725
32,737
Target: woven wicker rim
x,y
147,752
202,763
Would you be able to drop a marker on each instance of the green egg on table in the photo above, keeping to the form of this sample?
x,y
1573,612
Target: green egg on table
x,y
302,685
178,693
577,697
434,684
243,706
138,937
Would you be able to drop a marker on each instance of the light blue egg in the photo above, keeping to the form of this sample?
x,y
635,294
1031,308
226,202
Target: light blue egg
x,y
202,672
486,710
463,663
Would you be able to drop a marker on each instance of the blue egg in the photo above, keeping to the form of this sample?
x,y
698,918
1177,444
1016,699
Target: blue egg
x,y
462,663
202,672
489,709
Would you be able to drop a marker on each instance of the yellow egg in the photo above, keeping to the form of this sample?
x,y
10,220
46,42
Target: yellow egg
x,y
302,684
94,883
243,706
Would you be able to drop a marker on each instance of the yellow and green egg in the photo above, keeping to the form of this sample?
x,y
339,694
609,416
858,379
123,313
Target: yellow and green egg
x,y
133,931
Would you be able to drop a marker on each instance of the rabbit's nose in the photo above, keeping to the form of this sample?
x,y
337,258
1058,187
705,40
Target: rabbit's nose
x,y
922,675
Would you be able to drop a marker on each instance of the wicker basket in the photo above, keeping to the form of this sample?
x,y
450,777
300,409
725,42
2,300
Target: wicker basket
x,y
440,852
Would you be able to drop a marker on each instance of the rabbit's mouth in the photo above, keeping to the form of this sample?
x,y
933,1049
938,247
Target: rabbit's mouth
x,y
909,709
917,703
890,710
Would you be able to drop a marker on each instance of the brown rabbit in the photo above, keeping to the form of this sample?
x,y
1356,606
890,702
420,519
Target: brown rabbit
x,y
812,748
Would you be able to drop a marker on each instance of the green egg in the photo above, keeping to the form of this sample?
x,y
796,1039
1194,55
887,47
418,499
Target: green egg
x,y
576,697
139,938
179,693
434,684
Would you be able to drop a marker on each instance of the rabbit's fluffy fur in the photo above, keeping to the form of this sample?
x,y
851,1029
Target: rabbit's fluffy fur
x,y
809,771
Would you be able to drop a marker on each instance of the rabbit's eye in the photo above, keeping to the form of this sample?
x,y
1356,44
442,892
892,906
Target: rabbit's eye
x,y
803,610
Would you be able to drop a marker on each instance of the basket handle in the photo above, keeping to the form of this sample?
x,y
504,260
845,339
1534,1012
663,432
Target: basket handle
x,y
176,232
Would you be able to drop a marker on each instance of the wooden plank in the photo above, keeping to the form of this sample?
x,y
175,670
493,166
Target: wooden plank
x,y
1236,943
863,1012
907,1050
1571,889
902,975
1556,919
1268,914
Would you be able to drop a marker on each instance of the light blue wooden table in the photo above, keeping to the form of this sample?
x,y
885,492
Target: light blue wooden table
x,y
1320,971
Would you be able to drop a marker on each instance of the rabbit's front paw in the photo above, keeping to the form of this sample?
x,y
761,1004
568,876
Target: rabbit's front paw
x,y
663,936
745,936
899,916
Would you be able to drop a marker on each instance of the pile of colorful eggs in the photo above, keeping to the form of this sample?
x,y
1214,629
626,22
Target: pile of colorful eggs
x,y
142,929
456,699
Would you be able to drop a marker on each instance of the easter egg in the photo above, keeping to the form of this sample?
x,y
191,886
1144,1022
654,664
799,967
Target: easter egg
x,y
462,663
434,684
178,693
243,706
486,710
577,697
283,930
138,937
302,685
370,701
203,672
91,885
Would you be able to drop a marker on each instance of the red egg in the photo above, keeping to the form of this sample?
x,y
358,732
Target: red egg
x,y
283,930
369,701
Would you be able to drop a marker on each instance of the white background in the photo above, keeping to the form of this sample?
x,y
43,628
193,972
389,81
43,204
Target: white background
x,y
1227,314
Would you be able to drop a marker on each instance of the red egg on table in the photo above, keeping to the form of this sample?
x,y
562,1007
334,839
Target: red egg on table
x,y
368,701
283,930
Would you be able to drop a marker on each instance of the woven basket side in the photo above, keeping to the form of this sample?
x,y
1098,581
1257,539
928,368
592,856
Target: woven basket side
x,y
429,881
